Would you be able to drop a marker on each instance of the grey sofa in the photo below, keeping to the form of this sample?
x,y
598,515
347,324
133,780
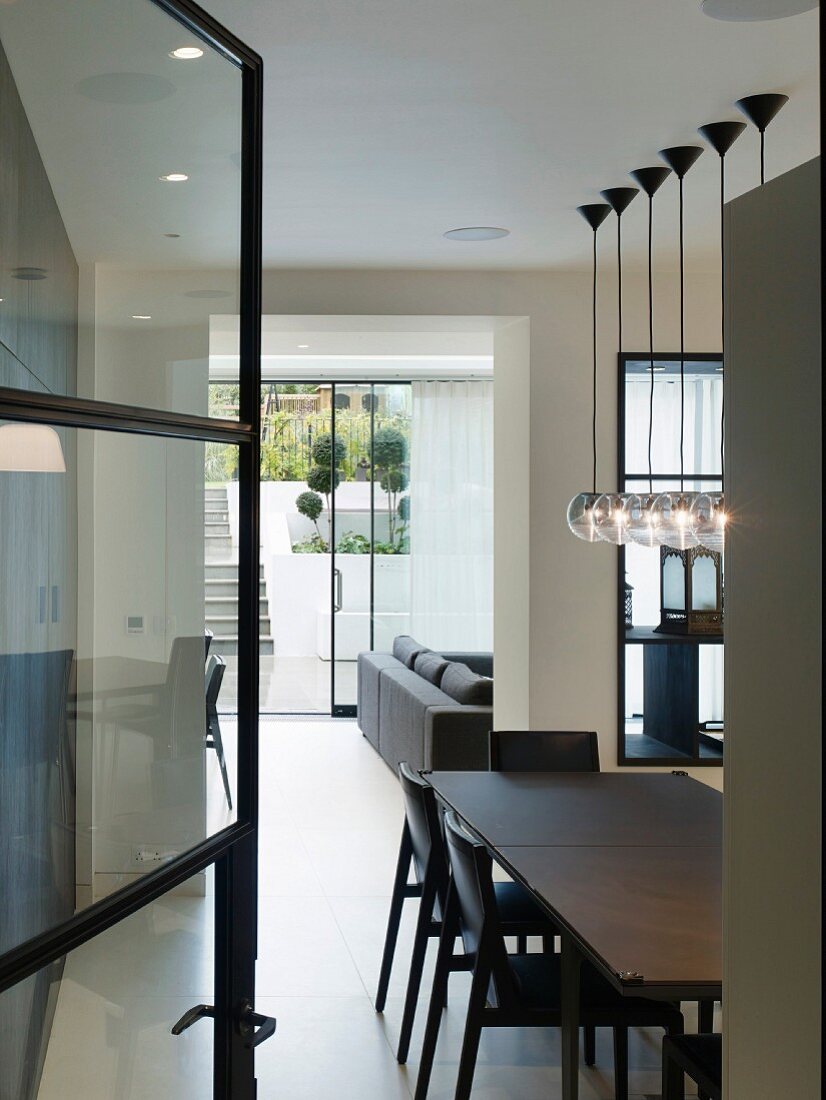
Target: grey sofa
x,y
405,716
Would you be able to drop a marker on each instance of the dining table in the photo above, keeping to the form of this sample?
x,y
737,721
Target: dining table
x,y
628,866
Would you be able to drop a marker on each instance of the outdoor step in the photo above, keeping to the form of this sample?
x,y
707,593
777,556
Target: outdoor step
x,y
220,515
216,527
217,606
223,570
228,588
228,624
227,645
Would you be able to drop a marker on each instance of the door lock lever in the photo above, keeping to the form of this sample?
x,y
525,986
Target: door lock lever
x,y
253,1027
192,1016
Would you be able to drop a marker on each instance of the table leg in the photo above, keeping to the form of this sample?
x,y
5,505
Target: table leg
x,y
571,964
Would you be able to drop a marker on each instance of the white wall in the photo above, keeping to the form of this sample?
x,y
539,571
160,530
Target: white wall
x,y
772,893
555,597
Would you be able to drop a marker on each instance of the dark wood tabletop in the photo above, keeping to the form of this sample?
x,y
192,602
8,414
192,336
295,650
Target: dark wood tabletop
x,y
630,866
583,808
652,912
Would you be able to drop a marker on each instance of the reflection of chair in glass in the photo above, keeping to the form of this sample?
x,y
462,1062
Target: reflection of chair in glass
x,y
214,677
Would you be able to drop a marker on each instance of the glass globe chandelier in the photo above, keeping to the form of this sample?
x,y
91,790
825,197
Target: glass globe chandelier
x,y
582,514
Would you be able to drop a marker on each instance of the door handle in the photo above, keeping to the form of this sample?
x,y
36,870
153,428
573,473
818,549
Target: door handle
x,y
253,1027
41,614
55,604
191,1016
337,597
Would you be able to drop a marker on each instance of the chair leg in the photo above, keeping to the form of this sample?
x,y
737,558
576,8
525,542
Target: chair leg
x,y
218,745
590,1044
621,1063
673,1080
438,996
394,919
414,981
705,1025
473,1032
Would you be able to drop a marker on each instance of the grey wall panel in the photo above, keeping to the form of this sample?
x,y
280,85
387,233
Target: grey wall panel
x,y
773,640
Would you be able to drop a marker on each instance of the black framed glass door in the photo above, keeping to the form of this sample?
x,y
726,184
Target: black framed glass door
x,y
119,781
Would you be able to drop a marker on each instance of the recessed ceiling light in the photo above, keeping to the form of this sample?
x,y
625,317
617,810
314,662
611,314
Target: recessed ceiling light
x,y
477,233
186,53
300,345
172,236
141,316
174,177
754,11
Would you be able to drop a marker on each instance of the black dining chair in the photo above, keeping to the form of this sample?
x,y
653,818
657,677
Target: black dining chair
x,y
423,846
701,1057
214,677
543,751
517,990
208,636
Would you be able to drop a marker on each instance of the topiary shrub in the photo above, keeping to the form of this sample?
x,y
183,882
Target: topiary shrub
x,y
323,450
389,448
310,504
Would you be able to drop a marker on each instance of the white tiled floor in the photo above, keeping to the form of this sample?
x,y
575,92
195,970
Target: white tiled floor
x,y
330,821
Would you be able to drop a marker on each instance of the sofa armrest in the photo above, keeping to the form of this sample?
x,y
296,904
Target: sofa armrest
x,y
456,738
480,663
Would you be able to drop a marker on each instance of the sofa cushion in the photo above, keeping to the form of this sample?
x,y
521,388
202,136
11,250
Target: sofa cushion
x,y
370,667
407,649
467,687
431,666
404,700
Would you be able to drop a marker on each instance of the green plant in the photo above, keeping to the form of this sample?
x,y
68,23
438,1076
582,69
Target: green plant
x,y
310,504
323,450
310,544
350,543
389,448
220,463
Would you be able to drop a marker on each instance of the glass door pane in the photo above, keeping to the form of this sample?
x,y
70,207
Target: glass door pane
x,y
352,536
391,503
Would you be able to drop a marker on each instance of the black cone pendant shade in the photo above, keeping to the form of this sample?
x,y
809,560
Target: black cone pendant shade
x,y
619,198
581,512
680,158
650,179
760,110
721,135
595,213
610,507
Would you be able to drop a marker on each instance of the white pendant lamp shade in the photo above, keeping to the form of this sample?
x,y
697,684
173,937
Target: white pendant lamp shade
x,y
708,521
31,448
582,517
755,11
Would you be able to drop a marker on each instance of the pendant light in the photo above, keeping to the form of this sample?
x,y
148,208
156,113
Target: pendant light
x,y
581,511
673,509
760,110
640,519
610,511
708,512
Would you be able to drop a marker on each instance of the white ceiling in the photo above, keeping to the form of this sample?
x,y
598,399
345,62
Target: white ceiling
x,y
388,123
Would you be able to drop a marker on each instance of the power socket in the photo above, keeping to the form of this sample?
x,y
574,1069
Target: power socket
x,y
151,853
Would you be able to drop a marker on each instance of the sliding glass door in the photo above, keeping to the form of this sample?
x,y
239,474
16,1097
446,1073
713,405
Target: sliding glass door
x,y
335,526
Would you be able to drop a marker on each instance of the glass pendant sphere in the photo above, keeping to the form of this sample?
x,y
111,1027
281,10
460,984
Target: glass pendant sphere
x,y
611,518
674,510
644,528
708,520
582,518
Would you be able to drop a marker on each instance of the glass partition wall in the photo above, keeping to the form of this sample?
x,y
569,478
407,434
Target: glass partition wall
x,y
129,215
663,674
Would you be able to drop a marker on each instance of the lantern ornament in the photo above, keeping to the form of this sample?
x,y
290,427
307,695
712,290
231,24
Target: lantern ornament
x,y
691,591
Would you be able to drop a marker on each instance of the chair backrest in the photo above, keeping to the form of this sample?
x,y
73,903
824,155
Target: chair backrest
x,y
543,751
422,813
208,636
214,676
472,877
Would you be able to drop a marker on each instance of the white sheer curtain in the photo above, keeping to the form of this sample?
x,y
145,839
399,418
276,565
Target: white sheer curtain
x,y
451,515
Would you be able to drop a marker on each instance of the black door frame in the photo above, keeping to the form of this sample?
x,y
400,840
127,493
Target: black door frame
x,y
233,850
